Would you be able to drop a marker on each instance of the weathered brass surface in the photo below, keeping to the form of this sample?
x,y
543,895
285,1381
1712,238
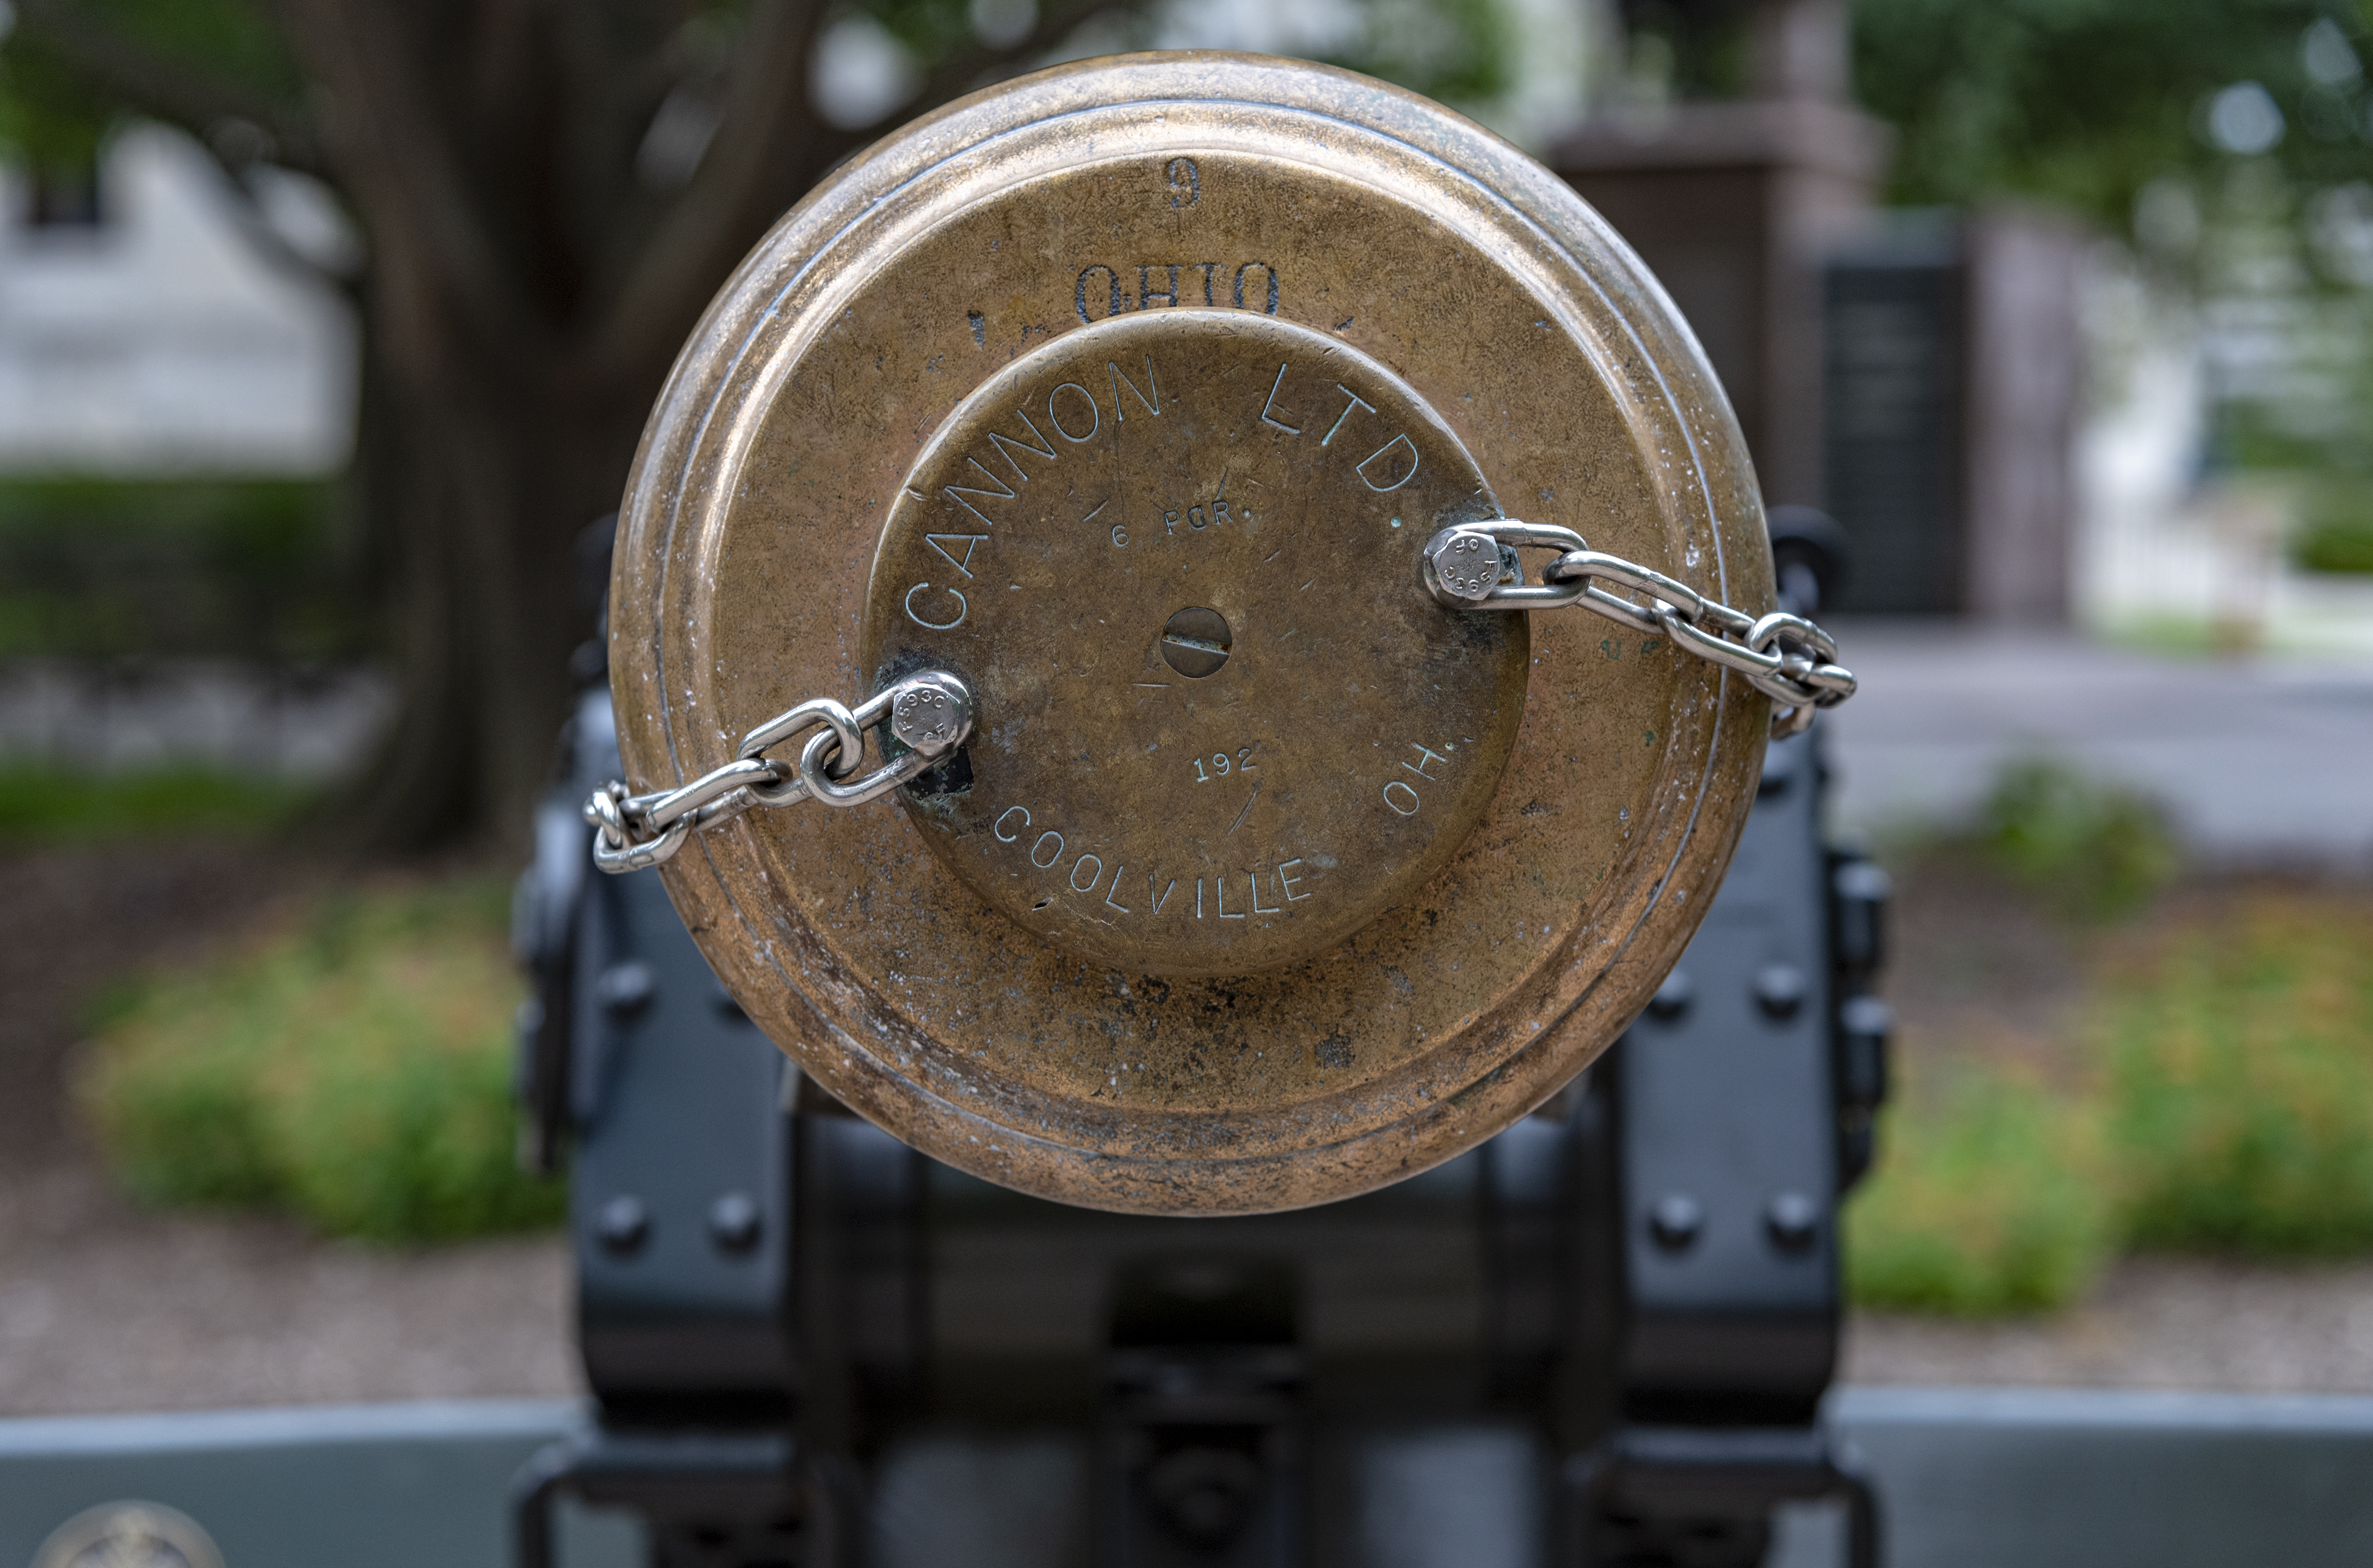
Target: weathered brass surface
x,y
1175,555
1196,208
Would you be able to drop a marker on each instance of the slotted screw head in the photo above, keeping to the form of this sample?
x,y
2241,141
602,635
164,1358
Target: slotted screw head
x,y
1196,642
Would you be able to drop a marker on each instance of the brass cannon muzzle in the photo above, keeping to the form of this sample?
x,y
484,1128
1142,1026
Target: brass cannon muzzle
x,y
1128,398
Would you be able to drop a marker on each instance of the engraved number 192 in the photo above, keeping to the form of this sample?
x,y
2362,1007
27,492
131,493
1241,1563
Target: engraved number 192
x,y
1220,766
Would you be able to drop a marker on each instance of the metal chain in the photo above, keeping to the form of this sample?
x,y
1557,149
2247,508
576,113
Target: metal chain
x,y
1474,566
929,713
1471,565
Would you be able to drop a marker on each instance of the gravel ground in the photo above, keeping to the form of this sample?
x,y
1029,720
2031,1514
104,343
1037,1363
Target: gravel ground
x,y
104,1307
2153,1323
107,1306
74,920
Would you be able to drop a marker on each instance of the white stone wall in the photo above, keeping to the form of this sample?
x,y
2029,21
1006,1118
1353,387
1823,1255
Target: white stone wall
x,y
162,341
246,719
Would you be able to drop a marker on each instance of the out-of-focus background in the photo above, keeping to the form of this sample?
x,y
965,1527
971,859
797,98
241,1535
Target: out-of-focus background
x,y
325,327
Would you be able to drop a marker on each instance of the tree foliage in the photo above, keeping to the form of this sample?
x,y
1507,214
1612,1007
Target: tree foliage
x,y
531,270
549,193
2086,101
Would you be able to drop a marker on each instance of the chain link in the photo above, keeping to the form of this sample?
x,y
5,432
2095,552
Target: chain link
x,y
928,713
1474,566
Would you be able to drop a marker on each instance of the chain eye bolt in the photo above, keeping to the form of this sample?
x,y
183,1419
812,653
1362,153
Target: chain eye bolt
x,y
1788,659
929,714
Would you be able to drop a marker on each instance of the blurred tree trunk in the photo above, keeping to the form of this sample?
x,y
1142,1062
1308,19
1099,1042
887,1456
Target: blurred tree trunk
x,y
533,269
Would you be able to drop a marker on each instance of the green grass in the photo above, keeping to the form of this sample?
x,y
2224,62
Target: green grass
x,y
44,805
2168,636
1989,1200
355,1071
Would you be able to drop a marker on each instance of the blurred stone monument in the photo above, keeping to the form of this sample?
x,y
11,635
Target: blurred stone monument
x,y
1914,374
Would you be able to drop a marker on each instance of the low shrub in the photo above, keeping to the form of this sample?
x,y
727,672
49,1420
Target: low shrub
x,y
2336,534
149,568
2240,1080
1987,1198
2338,547
355,1071
2093,850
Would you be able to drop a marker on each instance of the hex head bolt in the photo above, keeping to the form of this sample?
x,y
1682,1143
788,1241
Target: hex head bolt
x,y
1674,1221
1466,563
622,1226
626,990
1672,999
1793,1220
734,1221
1780,990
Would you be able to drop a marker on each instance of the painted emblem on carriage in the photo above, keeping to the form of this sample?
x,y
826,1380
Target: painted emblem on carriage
x,y
129,1534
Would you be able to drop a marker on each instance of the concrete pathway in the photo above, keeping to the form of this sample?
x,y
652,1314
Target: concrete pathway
x,y
2261,761
2258,762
